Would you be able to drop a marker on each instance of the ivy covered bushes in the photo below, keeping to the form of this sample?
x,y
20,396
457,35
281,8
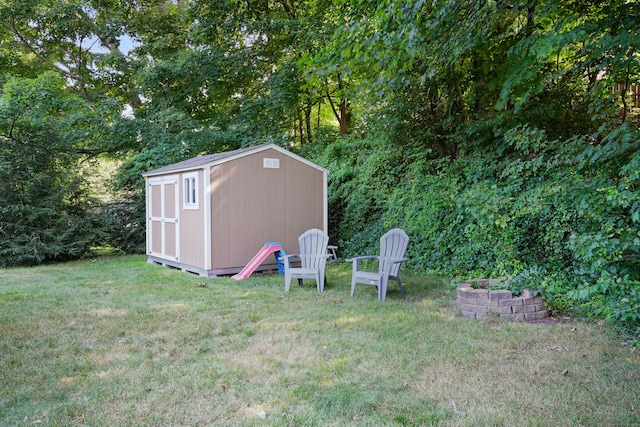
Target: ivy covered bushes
x,y
562,217
493,136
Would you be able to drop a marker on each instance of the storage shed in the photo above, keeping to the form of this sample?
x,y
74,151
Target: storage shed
x,y
211,214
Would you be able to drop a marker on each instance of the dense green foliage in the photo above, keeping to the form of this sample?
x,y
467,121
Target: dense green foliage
x,y
45,214
487,129
496,142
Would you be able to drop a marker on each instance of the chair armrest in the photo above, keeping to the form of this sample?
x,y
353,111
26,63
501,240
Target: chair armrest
x,y
327,256
356,261
286,260
360,258
390,262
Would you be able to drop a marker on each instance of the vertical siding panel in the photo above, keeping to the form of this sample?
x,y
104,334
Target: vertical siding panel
x,y
171,192
281,193
228,216
217,232
156,230
231,213
222,229
230,219
237,215
222,223
170,244
216,223
170,200
192,227
156,198
251,205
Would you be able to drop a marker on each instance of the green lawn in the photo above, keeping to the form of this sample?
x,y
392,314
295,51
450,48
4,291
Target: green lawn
x,y
119,342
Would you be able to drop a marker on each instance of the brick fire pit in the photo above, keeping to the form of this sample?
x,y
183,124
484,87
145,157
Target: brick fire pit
x,y
485,303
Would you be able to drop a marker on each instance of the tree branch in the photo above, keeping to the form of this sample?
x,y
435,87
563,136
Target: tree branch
x,y
290,12
333,107
29,46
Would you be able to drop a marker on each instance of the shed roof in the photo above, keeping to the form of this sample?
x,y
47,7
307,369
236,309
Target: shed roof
x,y
202,162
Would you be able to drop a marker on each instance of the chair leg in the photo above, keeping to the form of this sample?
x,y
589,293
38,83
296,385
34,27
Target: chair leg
x,y
354,270
397,279
321,281
287,282
299,282
382,289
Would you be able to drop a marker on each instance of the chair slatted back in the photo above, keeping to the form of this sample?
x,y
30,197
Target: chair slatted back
x,y
393,245
313,246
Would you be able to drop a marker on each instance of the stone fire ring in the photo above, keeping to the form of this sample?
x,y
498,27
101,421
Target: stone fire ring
x,y
484,303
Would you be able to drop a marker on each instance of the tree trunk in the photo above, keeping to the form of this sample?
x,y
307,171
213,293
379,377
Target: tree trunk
x,y
344,114
307,120
301,127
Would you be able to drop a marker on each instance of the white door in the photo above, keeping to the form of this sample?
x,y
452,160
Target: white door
x,y
163,232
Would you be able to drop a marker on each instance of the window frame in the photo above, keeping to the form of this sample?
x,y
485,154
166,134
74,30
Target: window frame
x,y
191,195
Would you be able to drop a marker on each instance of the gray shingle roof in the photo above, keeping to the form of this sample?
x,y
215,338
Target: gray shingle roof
x,y
199,161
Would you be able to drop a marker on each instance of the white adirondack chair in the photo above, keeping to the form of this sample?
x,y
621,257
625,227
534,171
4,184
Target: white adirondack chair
x,y
313,259
393,246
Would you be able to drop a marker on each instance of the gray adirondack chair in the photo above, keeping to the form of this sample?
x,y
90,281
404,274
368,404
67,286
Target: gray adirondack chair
x,y
313,259
393,246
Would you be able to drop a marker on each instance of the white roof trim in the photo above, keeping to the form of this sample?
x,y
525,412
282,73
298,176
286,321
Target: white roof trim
x,y
239,155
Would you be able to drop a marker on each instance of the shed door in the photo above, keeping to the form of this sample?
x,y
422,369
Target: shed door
x,y
162,228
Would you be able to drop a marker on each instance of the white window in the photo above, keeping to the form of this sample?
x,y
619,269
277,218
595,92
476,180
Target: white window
x,y
191,191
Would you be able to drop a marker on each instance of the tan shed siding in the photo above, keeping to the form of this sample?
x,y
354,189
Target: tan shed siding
x,y
156,241
156,200
251,205
170,244
192,227
170,197
220,236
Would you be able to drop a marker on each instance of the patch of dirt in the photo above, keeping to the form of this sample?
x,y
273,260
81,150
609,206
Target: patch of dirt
x,y
546,321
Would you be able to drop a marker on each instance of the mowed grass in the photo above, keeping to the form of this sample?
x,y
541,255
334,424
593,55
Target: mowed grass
x,y
119,342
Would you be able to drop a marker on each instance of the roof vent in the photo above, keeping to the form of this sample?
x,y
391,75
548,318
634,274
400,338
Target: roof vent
x,y
270,163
